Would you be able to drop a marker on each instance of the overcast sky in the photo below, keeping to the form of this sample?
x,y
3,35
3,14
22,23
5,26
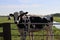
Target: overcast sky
x,y
38,7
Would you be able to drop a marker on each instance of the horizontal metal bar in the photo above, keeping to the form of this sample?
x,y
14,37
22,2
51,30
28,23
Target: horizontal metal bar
x,y
36,35
39,23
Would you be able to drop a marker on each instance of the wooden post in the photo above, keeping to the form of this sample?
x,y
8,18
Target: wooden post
x,y
1,33
6,31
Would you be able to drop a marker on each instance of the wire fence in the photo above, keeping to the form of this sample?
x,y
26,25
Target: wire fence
x,y
40,35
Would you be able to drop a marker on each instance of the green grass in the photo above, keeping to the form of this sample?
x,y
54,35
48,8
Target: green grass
x,y
5,19
15,32
57,19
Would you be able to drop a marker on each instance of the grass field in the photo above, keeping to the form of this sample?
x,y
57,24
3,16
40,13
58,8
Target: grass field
x,y
15,32
57,19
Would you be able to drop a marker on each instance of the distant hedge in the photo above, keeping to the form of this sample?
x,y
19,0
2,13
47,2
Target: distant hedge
x,y
56,14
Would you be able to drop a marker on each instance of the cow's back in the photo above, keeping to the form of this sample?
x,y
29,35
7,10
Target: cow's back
x,y
34,19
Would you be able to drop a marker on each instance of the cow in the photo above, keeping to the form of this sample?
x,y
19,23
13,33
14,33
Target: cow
x,y
26,25
16,16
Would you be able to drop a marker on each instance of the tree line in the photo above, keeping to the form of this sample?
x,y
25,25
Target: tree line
x,y
56,14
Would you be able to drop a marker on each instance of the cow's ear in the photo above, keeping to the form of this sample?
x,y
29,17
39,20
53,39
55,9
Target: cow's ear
x,y
11,15
26,12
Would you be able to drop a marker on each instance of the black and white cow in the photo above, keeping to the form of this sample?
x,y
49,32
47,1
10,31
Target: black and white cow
x,y
18,20
22,17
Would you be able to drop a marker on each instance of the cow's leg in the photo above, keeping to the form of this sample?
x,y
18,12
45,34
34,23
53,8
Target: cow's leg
x,y
31,36
47,35
47,32
51,33
29,33
23,34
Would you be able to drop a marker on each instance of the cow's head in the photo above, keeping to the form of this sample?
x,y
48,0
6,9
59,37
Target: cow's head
x,y
17,15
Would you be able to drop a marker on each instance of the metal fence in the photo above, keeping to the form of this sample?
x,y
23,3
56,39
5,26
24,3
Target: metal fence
x,y
11,33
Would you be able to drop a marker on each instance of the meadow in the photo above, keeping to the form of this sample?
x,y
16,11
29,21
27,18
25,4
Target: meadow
x,y
15,34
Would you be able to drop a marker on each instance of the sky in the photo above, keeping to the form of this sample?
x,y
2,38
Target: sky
x,y
38,7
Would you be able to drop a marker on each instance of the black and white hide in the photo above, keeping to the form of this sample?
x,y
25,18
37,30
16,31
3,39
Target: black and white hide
x,y
34,19
48,19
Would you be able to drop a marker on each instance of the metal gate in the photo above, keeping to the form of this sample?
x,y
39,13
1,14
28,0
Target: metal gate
x,y
9,33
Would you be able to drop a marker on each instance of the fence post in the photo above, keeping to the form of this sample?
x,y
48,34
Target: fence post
x,y
6,31
1,33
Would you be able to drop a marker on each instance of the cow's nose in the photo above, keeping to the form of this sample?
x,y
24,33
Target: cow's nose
x,y
15,22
